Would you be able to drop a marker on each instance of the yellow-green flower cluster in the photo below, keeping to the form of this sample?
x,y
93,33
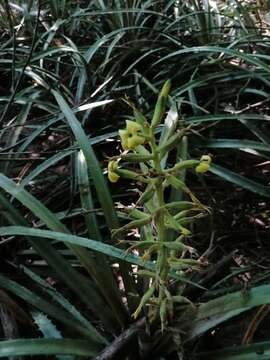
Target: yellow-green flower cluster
x,y
145,152
130,137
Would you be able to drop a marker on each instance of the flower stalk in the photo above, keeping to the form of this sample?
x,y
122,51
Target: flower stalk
x,y
142,149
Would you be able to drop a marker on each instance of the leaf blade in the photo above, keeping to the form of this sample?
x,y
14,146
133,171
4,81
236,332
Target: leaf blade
x,y
28,347
239,180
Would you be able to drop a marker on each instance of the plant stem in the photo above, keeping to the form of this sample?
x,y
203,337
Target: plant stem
x,y
159,218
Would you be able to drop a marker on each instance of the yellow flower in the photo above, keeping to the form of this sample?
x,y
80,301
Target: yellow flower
x,y
204,164
112,166
130,137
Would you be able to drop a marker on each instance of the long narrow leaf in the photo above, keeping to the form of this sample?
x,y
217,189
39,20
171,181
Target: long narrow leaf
x,y
29,347
74,280
99,181
100,247
256,351
240,180
216,311
201,50
57,296
44,248
236,144
45,165
45,306
226,117
91,160
101,270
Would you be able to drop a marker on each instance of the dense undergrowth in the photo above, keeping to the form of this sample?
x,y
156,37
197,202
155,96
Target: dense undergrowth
x,y
71,73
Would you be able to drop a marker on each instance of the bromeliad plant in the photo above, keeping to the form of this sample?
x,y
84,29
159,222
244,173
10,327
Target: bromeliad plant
x,y
157,218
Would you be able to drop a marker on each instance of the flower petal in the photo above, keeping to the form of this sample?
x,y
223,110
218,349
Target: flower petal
x,y
112,166
124,135
133,127
134,141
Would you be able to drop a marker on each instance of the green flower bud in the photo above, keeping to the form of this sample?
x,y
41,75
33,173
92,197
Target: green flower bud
x,y
166,88
172,142
178,246
137,214
136,158
163,313
128,174
177,183
161,104
146,195
146,297
182,300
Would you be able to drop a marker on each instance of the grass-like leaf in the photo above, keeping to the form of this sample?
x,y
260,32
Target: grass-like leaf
x,y
30,347
100,183
94,245
100,247
45,165
202,50
45,306
91,160
218,310
101,270
57,297
75,281
255,351
224,117
236,144
240,180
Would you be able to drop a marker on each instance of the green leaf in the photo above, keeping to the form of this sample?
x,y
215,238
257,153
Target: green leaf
x,y
91,160
236,144
73,279
240,180
47,307
256,351
98,246
106,249
201,50
55,295
226,117
254,127
100,183
29,347
54,259
45,165
216,311
100,269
